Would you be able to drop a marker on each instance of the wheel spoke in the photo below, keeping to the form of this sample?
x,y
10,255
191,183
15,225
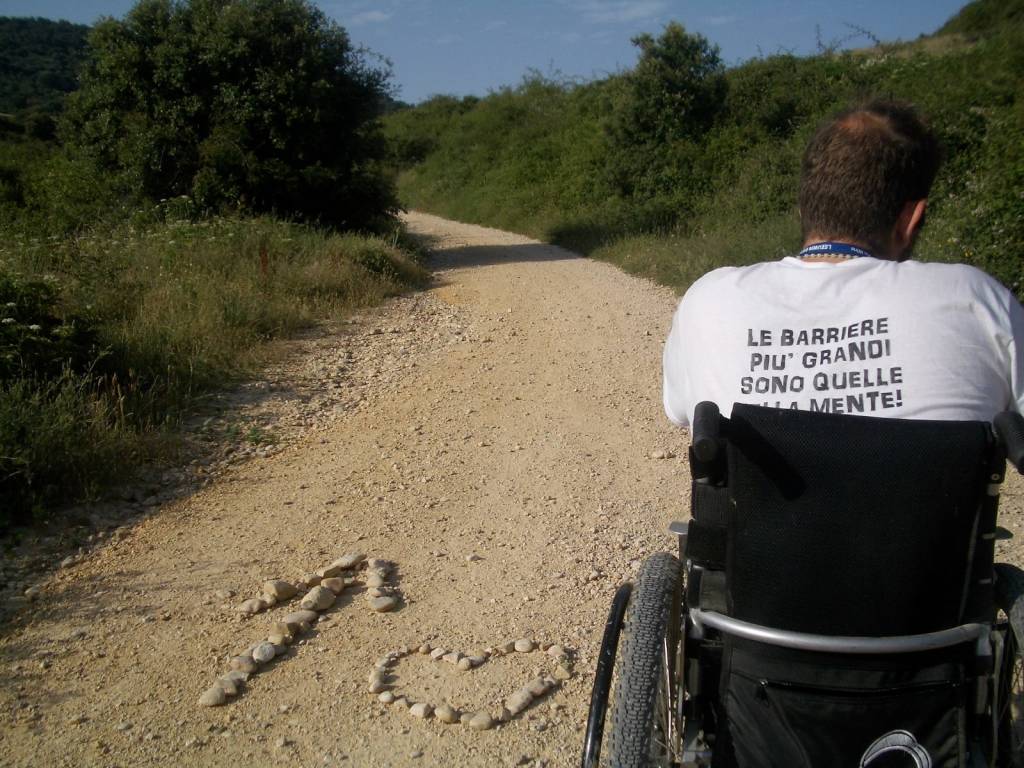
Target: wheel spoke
x,y
665,737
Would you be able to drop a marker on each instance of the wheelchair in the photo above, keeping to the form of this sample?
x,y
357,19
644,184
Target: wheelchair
x,y
835,602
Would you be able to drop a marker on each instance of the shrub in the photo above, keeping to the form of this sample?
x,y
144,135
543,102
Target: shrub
x,y
34,340
59,439
413,134
138,320
665,106
18,158
64,195
676,88
258,105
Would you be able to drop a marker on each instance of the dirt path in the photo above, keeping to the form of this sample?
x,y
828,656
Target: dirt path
x,y
508,413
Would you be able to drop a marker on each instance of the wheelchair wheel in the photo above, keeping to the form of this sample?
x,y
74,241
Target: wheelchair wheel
x,y
1010,680
645,728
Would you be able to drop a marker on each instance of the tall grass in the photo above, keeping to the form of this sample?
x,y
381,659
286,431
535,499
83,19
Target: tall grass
x,y
656,256
59,439
167,310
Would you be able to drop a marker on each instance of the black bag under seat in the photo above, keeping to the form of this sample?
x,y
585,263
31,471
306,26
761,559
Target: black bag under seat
x,y
861,712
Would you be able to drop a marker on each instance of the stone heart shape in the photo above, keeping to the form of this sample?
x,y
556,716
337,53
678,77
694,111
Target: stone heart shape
x,y
384,681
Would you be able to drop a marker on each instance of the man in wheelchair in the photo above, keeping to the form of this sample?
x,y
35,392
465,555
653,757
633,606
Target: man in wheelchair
x,y
835,602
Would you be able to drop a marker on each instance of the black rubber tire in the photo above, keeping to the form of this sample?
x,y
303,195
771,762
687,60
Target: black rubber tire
x,y
651,618
1010,699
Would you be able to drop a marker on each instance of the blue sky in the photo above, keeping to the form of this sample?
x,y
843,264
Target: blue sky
x,y
472,46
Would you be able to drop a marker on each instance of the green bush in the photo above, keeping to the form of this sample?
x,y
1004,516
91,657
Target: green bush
x,y
253,105
64,195
413,134
676,87
60,439
35,341
18,158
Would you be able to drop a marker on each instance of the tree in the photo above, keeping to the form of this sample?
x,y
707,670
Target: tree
x,y
259,105
678,86
663,108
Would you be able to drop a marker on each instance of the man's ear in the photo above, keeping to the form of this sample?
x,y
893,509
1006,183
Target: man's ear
x,y
907,225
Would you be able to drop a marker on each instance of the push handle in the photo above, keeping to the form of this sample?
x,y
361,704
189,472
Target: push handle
x,y
1009,427
706,431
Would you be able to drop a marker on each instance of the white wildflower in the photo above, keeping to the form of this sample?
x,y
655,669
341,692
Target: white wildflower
x,y
7,321
34,327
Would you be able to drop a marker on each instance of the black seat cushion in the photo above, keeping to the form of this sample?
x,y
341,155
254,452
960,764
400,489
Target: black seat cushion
x,y
851,525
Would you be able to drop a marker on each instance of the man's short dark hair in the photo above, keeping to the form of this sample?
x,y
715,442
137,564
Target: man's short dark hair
x,y
861,167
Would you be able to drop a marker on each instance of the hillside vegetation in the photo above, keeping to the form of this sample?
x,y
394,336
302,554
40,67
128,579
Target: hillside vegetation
x,y
681,165
984,17
39,62
217,183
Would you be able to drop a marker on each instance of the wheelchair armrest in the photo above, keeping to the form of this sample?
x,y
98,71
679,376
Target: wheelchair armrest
x,y
1009,428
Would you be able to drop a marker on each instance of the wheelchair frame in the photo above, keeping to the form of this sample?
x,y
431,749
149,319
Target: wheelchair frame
x,y
996,645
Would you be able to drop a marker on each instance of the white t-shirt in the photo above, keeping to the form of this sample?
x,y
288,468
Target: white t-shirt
x,y
864,336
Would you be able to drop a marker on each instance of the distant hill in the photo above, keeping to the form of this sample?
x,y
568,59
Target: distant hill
x,y
39,59
983,17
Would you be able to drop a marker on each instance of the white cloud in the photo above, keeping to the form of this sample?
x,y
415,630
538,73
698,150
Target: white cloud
x,y
618,11
370,17
721,21
448,39
491,26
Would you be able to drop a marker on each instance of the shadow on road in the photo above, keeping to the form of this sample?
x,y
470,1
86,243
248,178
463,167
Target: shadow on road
x,y
487,255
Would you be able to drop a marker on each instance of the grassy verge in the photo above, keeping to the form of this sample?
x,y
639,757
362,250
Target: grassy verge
x,y
107,337
657,256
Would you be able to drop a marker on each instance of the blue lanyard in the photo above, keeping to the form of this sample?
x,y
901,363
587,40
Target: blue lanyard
x,y
839,250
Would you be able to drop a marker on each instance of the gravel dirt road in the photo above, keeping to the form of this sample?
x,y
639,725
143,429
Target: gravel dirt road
x,y
494,437
508,413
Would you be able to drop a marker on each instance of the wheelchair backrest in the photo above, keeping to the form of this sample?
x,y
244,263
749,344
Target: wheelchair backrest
x,y
854,525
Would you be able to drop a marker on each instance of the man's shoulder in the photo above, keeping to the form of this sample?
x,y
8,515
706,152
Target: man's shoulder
x,y
711,285
727,275
948,274
951,276
944,268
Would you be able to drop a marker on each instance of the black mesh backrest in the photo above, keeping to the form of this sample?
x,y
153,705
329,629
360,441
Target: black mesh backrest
x,y
851,525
